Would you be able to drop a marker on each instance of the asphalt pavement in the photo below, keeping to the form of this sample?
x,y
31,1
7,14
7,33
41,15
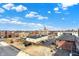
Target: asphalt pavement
x,y
7,50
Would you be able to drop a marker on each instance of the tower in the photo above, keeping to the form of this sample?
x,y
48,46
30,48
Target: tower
x,y
45,31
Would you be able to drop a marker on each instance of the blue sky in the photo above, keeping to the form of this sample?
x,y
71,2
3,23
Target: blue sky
x,y
34,16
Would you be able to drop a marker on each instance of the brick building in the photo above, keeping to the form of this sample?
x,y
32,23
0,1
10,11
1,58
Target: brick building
x,y
66,41
2,34
8,34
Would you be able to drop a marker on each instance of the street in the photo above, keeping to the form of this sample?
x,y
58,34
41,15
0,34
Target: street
x,y
1,39
7,50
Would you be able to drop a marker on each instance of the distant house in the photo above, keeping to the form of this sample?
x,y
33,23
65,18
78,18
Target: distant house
x,y
66,41
2,34
73,32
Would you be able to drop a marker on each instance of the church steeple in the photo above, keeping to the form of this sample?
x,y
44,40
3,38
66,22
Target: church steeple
x,y
45,28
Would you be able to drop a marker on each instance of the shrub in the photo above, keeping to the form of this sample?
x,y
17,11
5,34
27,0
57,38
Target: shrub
x,y
9,40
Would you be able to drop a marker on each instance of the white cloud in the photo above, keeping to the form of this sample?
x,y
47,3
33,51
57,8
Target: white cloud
x,y
11,21
11,6
20,8
41,17
65,5
49,12
69,4
64,8
31,14
35,15
32,26
35,24
4,20
56,9
18,22
8,6
2,10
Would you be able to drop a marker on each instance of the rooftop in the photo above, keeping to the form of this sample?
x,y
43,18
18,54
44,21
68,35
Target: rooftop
x,y
37,39
67,37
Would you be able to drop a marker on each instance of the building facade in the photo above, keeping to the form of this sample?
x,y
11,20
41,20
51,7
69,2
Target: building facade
x,y
67,42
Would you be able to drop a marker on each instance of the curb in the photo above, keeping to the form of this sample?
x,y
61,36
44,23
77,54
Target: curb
x,y
15,47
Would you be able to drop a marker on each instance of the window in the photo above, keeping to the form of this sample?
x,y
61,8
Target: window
x,y
68,41
59,40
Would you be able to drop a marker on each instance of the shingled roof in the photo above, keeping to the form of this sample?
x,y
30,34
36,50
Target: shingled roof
x,y
67,37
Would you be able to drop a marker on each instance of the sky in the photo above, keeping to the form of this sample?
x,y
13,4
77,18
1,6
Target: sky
x,y
36,16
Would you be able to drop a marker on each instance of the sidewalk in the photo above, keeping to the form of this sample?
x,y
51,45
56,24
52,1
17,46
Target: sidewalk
x,y
4,43
21,53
